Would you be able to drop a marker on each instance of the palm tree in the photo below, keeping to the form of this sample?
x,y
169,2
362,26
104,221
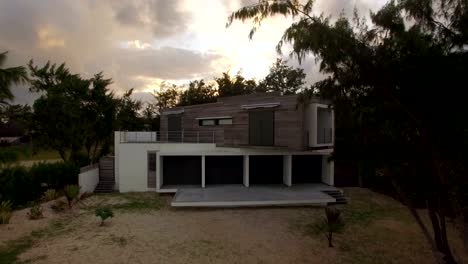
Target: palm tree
x,y
8,77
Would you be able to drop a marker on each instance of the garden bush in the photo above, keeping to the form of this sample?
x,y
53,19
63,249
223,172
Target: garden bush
x,y
104,213
71,193
49,195
35,212
21,185
5,212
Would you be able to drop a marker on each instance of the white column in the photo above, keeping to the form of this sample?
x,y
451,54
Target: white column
x,y
116,159
287,170
328,171
203,171
246,170
158,171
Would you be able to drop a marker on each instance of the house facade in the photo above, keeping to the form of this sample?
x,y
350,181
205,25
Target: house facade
x,y
259,139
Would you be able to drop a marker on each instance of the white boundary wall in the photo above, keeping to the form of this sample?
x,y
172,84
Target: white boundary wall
x,y
88,178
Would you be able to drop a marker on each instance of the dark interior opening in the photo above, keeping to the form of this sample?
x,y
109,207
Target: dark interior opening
x,y
306,169
181,170
266,169
224,169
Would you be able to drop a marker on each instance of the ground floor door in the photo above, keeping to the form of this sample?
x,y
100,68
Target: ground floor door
x,y
182,170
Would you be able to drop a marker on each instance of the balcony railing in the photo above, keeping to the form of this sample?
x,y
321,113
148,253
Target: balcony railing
x,y
167,137
324,136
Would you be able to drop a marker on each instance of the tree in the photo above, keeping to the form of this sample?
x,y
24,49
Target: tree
x,y
198,92
400,85
236,85
128,113
8,77
99,111
283,78
167,97
72,113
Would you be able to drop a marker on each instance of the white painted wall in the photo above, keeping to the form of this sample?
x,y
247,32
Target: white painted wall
x,y
311,123
132,162
88,179
116,158
328,171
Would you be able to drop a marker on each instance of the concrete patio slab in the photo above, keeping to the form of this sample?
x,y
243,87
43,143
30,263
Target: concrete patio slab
x,y
262,195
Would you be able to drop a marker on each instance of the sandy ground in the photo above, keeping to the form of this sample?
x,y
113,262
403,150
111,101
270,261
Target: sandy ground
x,y
258,235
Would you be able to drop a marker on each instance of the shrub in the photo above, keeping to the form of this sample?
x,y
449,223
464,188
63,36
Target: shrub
x,y
49,195
104,213
59,206
5,212
332,223
21,185
7,156
35,212
71,192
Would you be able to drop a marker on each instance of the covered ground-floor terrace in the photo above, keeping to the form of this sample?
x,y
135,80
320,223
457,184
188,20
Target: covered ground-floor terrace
x,y
200,171
243,180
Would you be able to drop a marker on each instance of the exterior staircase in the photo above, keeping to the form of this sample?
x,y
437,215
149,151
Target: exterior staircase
x,y
106,175
338,195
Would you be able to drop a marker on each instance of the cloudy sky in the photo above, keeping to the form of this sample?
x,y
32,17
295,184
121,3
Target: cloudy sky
x,y
141,43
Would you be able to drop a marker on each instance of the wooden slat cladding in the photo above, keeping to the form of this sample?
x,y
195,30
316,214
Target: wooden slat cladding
x,y
288,119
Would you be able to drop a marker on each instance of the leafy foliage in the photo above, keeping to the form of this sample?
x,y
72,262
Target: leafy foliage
x,y
332,223
71,193
35,212
5,212
7,156
283,78
397,88
72,113
8,77
198,92
236,85
49,195
104,213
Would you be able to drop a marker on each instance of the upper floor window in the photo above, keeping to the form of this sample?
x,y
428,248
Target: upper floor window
x,y
215,121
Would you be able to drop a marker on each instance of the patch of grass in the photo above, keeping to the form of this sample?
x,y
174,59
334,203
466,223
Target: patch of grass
x,y
133,202
13,248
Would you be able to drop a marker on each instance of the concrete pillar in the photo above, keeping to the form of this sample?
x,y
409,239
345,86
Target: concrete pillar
x,y
287,170
203,171
116,159
158,171
328,171
246,170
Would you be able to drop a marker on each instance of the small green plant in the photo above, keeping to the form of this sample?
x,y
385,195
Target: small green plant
x,y
104,213
35,212
5,212
49,195
59,206
332,223
71,192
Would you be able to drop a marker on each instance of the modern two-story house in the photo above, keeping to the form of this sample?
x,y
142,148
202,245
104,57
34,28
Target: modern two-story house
x,y
246,141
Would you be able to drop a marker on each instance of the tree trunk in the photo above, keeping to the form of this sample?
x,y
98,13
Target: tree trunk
x,y
330,237
435,252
